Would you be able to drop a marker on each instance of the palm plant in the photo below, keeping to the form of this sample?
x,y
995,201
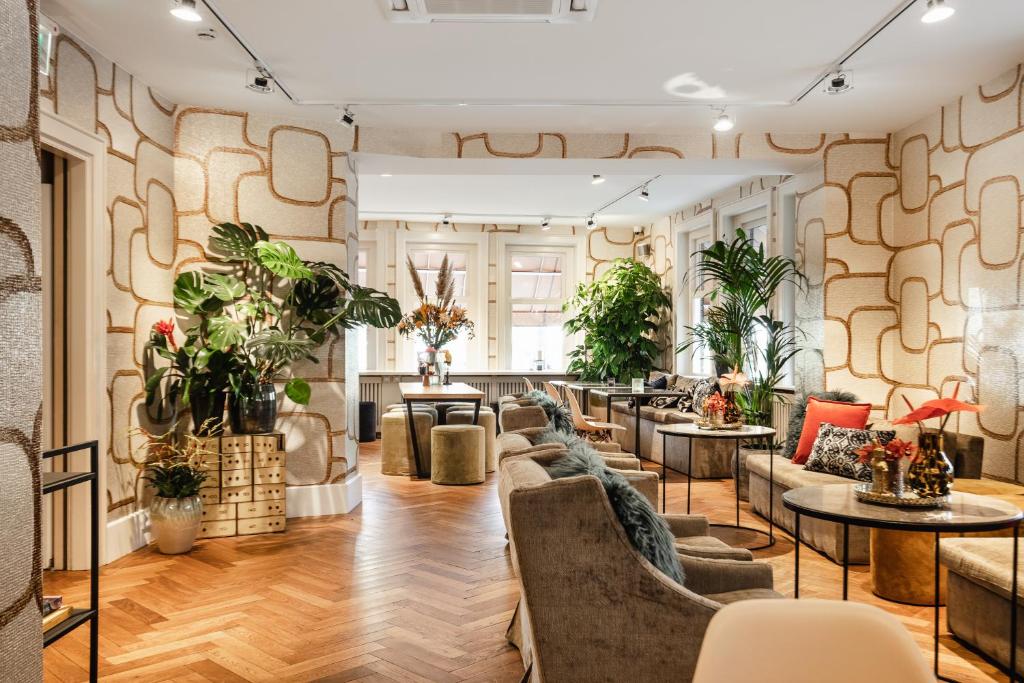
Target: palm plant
x,y
743,283
620,316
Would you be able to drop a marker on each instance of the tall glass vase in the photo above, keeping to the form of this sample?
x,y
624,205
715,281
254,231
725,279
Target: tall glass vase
x,y
931,473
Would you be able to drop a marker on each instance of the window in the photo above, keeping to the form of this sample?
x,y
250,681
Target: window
x,y
702,362
362,332
536,291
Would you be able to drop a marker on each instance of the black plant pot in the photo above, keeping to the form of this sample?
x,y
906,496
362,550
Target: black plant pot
x,y
255,414
206,405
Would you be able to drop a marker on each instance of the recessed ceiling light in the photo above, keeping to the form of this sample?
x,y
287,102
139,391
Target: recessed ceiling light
x,y
724,123
644,194
937,11
597,179
385,175
185,10
259,82
206,34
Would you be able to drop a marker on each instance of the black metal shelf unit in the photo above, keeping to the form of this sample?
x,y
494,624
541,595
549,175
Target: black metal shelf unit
x,y
57,481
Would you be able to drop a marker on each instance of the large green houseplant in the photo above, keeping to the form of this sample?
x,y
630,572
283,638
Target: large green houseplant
x,y
260,310
740,329
619,316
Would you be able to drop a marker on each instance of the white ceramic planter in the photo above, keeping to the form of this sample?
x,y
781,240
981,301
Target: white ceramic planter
x,y
175,523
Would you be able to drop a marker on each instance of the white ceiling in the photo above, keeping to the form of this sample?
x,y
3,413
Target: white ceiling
x,y
523,199
756,52
521,191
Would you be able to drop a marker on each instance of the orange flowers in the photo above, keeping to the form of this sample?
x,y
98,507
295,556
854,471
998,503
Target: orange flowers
x,y
715,403
894,450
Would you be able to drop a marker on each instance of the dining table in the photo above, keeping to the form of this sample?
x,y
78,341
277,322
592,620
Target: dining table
x,y
417,392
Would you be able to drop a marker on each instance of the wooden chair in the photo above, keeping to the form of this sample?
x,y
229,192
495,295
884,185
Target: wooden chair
x,y
553,393
589,428
528,383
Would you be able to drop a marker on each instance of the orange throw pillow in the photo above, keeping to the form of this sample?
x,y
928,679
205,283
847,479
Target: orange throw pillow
x,y
852,415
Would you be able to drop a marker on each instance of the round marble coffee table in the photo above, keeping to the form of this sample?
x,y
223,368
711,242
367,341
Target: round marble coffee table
x,y
691,431
964,512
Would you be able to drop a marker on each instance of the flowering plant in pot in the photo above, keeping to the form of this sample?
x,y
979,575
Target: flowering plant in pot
x,y
261,310
175,468
438,322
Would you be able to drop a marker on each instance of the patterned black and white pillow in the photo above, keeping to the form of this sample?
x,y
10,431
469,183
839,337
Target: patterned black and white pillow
x,y
701,391
663,402
684,403
833,451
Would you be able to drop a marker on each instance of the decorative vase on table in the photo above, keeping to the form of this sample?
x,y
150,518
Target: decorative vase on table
x,y
175,523
254,413
931,473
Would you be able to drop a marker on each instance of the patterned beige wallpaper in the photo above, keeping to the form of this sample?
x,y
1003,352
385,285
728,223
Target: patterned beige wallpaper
x,y
172,172
956,270
21,634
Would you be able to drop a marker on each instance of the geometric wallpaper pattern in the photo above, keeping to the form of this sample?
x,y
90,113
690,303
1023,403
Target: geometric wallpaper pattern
x,y
910,241
912,247
21,392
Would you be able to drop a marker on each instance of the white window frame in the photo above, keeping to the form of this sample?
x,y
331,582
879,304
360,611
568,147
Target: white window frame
x,y
376,273
573,271
690,232
477,277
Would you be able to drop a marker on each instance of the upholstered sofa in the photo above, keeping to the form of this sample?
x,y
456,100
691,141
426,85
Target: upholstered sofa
x,y
712,458
978,595
591,603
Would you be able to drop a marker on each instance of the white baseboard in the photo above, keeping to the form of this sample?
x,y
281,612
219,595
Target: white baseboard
x,y
326,499
127,534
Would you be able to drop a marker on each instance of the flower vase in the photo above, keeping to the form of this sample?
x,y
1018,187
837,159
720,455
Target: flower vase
x,y
175,523
931,473
897,477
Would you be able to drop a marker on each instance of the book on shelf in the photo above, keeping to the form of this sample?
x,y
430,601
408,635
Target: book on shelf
x,y
51,603
57,616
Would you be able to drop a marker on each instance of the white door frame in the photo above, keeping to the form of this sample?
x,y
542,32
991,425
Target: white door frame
x,y
86,310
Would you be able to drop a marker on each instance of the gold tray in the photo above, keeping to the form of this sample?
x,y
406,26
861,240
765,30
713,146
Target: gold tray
x,y
909,499
708,427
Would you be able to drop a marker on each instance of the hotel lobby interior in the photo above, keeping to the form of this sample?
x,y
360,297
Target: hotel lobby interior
x,y
512,340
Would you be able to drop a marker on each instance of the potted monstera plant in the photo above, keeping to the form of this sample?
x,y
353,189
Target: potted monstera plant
x,y
257,311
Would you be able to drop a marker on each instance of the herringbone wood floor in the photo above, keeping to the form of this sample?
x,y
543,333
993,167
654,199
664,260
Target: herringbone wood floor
x,y
416,585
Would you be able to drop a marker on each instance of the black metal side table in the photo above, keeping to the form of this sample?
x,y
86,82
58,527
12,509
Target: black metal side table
x,y
691,431
964,512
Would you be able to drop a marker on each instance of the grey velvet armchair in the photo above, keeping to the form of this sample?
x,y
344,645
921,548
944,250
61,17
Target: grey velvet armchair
x,y
591,604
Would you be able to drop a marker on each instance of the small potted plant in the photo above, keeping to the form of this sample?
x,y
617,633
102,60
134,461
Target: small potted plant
x,y
177,474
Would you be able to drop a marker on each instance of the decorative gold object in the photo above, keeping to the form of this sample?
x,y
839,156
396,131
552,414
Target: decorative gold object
x,y
931,473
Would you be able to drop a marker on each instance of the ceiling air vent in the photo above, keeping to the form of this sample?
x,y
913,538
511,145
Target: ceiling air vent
x,y
490,11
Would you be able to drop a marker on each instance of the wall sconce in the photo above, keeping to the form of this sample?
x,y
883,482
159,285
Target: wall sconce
x,y
643,250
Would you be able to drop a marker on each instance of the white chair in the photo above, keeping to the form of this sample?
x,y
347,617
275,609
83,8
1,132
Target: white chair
x,y
587,427
808,641
528,383
553,393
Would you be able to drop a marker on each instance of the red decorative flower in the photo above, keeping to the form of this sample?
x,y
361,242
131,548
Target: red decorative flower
x,y
165,328
937,407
